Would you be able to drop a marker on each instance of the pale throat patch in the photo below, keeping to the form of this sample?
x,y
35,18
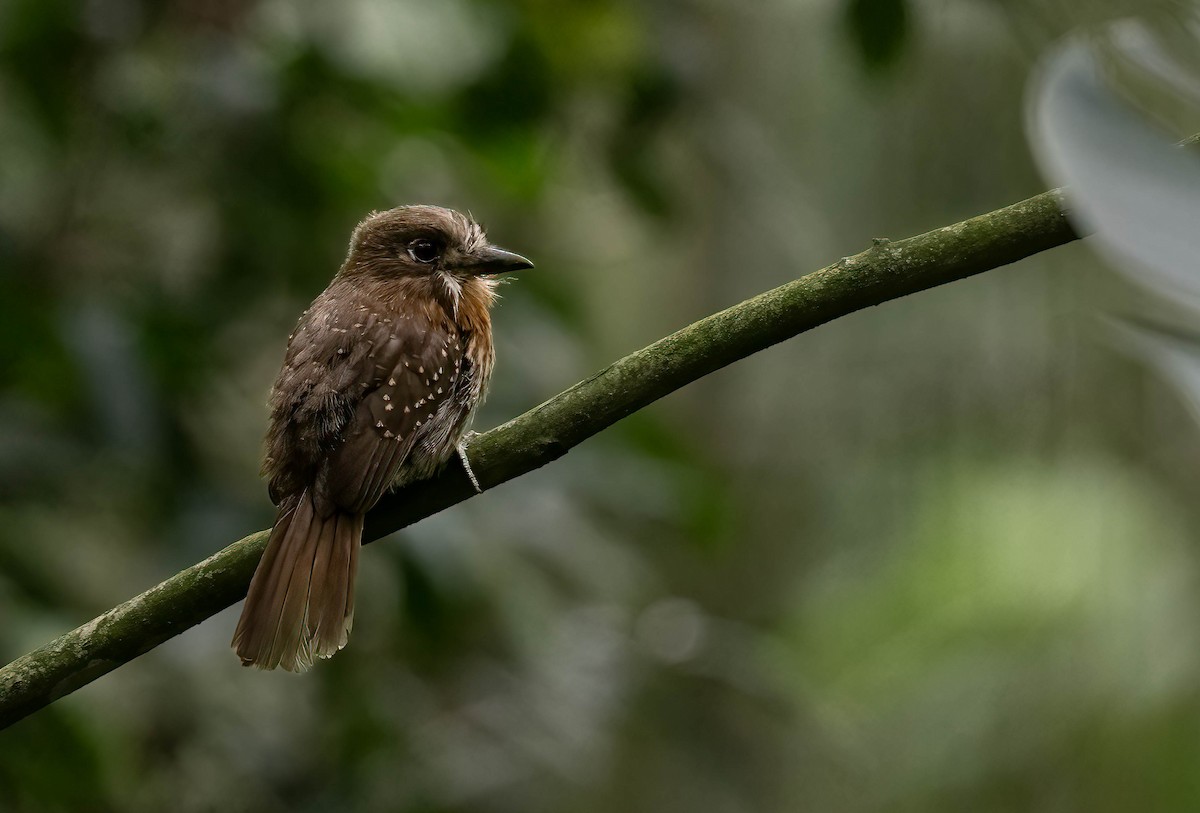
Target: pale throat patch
x,y
453,287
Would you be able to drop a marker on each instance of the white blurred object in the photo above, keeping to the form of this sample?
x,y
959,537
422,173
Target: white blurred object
x,y
1128,184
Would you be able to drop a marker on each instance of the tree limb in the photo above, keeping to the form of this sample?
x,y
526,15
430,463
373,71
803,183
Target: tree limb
x,y
888,270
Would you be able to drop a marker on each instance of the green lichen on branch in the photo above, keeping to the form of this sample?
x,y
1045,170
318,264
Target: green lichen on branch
x,y
886,271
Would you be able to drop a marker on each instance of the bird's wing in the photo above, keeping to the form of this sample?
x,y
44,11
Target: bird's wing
x,y
406,375
355,387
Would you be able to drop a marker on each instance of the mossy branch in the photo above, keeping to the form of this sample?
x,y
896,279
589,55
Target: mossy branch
x,y
888,270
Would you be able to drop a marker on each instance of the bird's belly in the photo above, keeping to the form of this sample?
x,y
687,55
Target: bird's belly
x,y
434,444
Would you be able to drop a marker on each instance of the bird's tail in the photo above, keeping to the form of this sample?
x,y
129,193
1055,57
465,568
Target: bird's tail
x,y
301,601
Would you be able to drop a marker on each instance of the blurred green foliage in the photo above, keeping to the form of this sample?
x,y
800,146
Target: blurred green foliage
x,y
935,556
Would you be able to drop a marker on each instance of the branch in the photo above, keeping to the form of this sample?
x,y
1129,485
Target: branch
x,y
888,270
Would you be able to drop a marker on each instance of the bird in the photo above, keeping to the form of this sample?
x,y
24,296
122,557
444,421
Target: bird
x,y
381,377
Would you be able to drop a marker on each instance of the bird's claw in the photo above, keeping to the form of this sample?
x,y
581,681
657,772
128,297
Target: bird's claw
x,y
467,437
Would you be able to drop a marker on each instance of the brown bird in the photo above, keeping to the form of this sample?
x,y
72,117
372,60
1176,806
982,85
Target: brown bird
x,y
380,380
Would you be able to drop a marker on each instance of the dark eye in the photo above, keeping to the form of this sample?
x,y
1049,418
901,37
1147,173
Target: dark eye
x,y
422,250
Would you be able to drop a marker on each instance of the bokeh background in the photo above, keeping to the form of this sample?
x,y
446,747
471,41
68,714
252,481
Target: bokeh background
x,y
939,555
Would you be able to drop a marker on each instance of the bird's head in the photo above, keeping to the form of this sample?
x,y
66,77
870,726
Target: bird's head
x,y
427,241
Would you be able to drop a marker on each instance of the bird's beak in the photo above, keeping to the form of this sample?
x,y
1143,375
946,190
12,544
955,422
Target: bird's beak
x,y
494,260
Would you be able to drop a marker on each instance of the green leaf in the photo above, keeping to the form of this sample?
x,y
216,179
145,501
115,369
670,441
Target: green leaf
x,y
879,29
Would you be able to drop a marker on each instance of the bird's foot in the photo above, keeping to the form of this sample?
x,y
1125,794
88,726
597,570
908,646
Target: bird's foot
x,y
467,437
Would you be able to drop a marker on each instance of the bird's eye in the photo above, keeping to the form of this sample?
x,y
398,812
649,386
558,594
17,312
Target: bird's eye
x,y
422,250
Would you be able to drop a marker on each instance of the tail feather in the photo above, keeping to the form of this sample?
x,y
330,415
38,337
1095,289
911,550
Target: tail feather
x,y
333,577
300,605
285,547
